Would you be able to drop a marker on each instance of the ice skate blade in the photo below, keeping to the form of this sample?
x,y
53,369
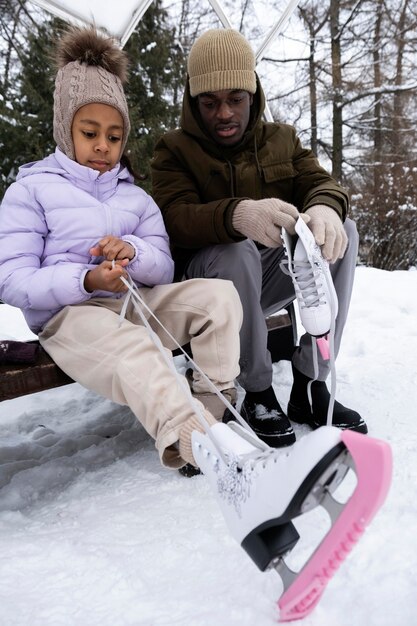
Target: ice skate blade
x,y
269,542
372,463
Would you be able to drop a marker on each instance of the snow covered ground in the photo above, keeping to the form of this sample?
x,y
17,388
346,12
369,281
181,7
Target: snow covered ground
x,y
94,532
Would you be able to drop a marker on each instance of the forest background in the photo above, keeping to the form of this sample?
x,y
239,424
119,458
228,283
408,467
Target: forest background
x,y
343,73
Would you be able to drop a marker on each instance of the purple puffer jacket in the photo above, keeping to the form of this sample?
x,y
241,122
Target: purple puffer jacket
x,y
51,217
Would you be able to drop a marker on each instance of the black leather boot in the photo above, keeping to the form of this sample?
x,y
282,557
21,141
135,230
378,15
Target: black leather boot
x,y
299,409
264,415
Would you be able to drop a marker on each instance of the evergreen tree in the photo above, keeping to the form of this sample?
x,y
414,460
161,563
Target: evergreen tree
x,y
26,115
156,82
156,77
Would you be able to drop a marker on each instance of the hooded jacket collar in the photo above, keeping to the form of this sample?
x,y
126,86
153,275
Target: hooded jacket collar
x,y
192,124
81,176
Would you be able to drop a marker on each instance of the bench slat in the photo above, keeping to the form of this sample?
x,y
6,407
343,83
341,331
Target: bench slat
x,y
23,379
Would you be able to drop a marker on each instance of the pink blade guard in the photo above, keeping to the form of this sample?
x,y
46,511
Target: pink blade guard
x,y
373,467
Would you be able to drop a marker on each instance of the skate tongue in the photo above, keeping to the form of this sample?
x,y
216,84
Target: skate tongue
x,y
230,441
306,244
299,252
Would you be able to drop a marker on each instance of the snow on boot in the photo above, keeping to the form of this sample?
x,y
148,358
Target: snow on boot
x,y
261,490
312,281
262,411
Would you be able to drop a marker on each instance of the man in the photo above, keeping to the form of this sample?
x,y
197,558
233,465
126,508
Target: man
x,y
227,182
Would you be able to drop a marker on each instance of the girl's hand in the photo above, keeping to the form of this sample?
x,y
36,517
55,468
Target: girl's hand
x,y
105,277
113,249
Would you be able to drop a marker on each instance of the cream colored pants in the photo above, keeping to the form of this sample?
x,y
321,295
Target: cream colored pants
x,y
123,364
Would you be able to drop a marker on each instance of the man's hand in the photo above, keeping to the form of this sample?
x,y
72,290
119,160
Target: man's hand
x,y
106,277
328,231
262,220
113,249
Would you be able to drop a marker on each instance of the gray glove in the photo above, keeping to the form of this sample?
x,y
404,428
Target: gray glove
x,y
262,220
328,231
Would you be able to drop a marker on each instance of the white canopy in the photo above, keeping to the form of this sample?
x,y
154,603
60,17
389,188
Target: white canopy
x,y
117,18
120,18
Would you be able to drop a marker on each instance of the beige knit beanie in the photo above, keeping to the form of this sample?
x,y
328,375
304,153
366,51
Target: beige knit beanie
x,y
221,59
92,70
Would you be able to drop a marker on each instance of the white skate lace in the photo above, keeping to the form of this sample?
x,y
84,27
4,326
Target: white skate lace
x,y
139,304
307,284
250,460
271,455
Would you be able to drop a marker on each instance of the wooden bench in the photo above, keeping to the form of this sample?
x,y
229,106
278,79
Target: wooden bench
x,y
22,379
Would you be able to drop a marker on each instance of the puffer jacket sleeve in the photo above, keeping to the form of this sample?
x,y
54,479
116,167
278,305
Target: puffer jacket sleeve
x,y
24,281
152,263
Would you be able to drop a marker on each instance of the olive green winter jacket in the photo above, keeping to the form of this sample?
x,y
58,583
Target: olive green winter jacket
x,y
197,182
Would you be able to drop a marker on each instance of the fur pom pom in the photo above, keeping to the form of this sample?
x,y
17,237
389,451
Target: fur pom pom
x,y
86,45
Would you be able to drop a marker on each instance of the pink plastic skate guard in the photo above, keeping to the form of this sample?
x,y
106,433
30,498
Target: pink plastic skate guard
x,y
373,467
323,345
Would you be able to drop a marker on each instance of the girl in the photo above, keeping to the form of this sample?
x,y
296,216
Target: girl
x,y
74,224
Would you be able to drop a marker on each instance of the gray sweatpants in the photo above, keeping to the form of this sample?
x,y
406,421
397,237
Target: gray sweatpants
x,y
122,363
264,289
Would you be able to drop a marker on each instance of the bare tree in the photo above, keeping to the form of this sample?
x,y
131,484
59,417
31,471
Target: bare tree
x,y
360,74
314,21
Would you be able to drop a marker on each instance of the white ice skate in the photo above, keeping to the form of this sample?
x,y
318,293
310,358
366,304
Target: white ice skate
x,y
260,490
312,281
316,297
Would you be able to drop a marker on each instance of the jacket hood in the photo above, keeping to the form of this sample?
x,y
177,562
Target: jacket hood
x,y
59,163
192,124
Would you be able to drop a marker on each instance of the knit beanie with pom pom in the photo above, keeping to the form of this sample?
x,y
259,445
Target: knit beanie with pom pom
x,y
92,69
